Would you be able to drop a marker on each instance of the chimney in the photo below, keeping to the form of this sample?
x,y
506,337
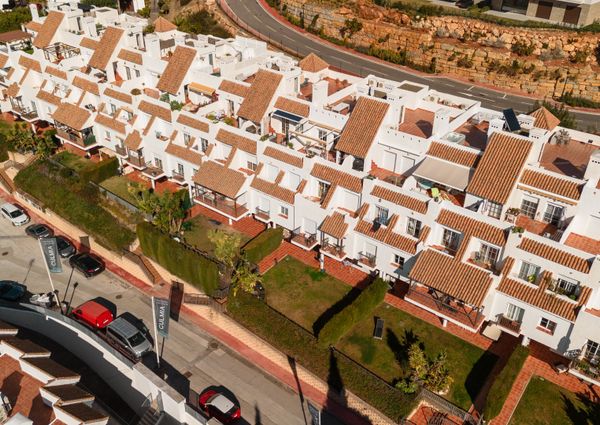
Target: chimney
x,y
153,45
320,92
90,25
441,122
592,172
35,16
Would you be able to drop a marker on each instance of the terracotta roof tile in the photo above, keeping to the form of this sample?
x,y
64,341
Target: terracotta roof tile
x,y
473,227
362,127
544,119
235,140
538,297
86,85
3,60
499,167
400,199
48,97
583,243
155,110
292,106
106,47
453,154
13,90
71,115
193,123
220,179
163,25
313,63
133,140
234,88
15,35
387,235
261,92
283,156
88,43
553,184
337,177
452,277
274,190
176,70
123,97
335,225
48,29
33,26
56,72
130,56
30,63
555,255
111,123
182,152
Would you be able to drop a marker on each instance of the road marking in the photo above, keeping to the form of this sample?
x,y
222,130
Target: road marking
x,y
504,97
466,94
469,89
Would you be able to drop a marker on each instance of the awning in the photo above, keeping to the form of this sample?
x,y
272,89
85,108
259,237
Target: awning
x,y
202,89
443,172
287,116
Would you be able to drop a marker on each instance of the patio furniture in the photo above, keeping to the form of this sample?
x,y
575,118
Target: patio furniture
x,y
560,368
378,331
435,193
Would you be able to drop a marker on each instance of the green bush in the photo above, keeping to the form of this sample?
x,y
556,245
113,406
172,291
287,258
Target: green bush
x,y
356,312
100,171
3,148
504,382
300,344
177,259
12,20
74,199
201,22
262,245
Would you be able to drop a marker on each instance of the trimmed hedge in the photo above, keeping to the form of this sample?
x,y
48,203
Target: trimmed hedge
x,y
263,245
335,369
177,259
100,171
74,200
504,382
362,306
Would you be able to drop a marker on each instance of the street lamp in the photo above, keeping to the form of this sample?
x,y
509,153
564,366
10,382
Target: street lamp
x,y
75,285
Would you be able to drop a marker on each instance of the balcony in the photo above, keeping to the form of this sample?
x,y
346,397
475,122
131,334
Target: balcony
x,y
586,369
336,251
136,161
25,113
227,206
153,173
572,292
367,259
121,151
304,240
513,326
178,177
83,141
477,259
262,215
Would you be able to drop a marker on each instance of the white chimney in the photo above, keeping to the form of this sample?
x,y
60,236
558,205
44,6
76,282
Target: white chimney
x,y
35,16
593,168
320,92
90,25
153,45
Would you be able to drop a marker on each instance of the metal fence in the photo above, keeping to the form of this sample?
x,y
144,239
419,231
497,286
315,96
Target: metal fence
x,y
445,406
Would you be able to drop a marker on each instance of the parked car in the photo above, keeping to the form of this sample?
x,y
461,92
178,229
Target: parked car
x,y
129,337
39,231
88,264
11,290
464,4
139,325
217,405
93,314
65,247
15,214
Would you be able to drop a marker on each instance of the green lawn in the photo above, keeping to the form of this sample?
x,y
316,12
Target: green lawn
x,y
72,161
544,403
197,236
119,186
307,297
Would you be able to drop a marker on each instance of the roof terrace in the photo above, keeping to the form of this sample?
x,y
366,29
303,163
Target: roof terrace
x,y
570,159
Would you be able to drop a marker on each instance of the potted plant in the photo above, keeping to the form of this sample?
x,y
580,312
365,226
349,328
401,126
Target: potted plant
x,y
531,278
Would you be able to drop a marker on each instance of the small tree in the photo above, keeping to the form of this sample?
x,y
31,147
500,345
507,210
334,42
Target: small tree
x,y
244,278
351,27
226,246
45,145
21,138
438,377
434,374
167,210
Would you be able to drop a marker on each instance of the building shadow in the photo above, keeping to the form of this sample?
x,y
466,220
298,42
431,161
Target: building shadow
x,y
334,309
11,386
588,412
479,374
39,413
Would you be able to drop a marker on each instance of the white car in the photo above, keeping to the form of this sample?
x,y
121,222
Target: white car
x,y
15,214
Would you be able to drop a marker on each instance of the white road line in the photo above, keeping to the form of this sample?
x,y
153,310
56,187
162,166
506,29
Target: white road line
x,y
466,94
469,89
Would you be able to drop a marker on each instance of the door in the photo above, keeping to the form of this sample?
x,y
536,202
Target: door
x,y
389,161
544,10
572,14
514,313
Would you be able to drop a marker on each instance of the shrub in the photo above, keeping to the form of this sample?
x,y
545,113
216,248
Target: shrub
x,y
12,20
504,382
201,22
3,148
177,259
357,311
522,48
100,171
262,245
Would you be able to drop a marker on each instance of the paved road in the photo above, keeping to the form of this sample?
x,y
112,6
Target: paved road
x,y
251,13
189,350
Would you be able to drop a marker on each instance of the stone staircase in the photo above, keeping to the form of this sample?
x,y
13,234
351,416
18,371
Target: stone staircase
x,y
151,417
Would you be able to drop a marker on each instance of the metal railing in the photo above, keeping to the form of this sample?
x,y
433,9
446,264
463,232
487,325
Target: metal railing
x,y
121,150
443,405
511,325
336,250
136,161
264,214
304,238
587,367
228,207
367,258
176,175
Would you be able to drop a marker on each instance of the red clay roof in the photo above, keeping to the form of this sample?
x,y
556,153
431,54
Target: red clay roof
x,y
283,156
274,190
163,25
452,277
453,154
176,70
499,167
106,47
313,63
583,243
472,227
193,123
123,97
387,235
555,255
544,119
48,29
292,106
71,115
130,56
362,126
182,152
88,43
234,88
155,110
30,63
334,225
86,85
133,140
242,143
337,177
111,123
220,179
261,92
553,184
400,199
59,73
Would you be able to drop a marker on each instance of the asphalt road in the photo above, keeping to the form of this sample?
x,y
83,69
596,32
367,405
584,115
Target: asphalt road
x,y
190,351
252,14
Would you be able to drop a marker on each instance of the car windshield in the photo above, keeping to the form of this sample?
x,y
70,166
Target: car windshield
x,y
16,213
5,287
61,243
136,339
89,262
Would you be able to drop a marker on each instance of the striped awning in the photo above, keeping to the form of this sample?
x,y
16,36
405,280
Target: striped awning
x,y
202,89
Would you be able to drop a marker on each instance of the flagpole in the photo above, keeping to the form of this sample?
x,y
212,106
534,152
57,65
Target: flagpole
x,y
49,275
155,333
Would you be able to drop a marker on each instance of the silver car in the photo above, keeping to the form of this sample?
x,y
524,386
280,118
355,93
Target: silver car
x,y
128,336
15,214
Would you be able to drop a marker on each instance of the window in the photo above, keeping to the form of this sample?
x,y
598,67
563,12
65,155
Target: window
x,y
137,73
413,227
514,313
107,135
180,169
529,272
323,189
494,209
529,208
488,254
158,163
128,72
203,145
113,108
547,325
186,138
382,216
284,211
251,165
566,286
450,240
553,214
129,115
399,260
591,350
323,135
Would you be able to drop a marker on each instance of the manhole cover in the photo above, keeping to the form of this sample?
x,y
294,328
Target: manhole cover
x,y
119,296
213,345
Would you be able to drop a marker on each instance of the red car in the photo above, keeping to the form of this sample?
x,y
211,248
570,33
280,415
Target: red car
x,y
93,314
217,405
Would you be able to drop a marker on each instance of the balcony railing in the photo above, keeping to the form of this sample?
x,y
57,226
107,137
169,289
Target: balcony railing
x,y
177,176
477,259
262,214
305,239
367,259
509,324
25,113
121,150
588,367
571,293
78,139
335,250
136,161
227,206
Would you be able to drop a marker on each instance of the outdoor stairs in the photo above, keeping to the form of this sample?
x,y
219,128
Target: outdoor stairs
x,y
7,182
151,417
146,265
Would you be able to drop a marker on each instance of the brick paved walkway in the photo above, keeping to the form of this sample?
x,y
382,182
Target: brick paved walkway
x,y
247,225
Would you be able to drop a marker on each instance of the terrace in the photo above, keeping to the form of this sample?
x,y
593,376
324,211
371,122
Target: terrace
x,y
475,133
417,122
216,201
570,159
58,51
83,139
537,227
304,239
334,86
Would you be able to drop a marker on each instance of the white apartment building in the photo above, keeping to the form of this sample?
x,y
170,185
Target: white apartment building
x,y
489,219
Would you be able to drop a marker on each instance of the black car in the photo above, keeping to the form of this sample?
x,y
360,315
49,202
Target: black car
x,y
39,231
11,290
88,264
138,324
65,247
